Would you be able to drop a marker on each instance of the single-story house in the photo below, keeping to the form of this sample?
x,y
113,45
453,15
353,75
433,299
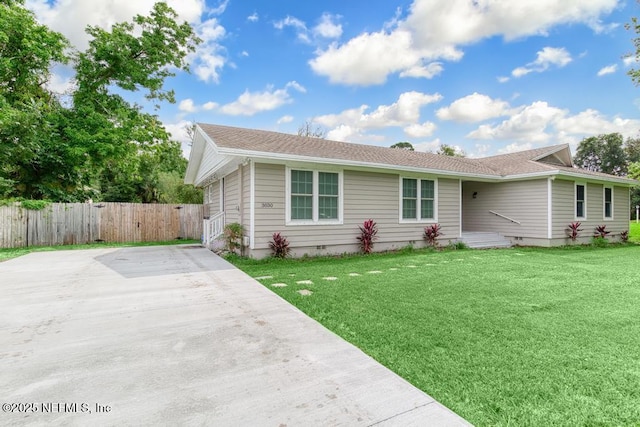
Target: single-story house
x,y
316,192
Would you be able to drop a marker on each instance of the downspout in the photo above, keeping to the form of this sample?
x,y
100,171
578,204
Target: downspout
x,y
550,208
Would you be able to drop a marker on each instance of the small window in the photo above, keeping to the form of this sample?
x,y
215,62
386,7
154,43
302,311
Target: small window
x,y
608,202
328,193
580,201
301,194
409,198
418,199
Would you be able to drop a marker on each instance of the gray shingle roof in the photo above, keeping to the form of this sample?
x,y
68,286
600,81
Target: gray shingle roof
x,y
252,142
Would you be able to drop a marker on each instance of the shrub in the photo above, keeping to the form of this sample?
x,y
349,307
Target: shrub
x,y
368,234
599,242
624,236
573,230
233,234
431,233
601,231
279,245
459,245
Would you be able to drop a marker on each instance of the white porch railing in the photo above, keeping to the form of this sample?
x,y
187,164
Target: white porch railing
x,y
212,228
505,217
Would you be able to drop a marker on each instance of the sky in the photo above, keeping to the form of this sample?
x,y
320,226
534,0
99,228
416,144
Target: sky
x,y
485,76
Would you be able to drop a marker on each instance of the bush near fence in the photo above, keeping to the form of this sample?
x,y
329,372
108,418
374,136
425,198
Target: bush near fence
x,y
75,223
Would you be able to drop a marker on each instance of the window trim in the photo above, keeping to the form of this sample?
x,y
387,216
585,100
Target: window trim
x,y
315,198
575,201
604,203
418,219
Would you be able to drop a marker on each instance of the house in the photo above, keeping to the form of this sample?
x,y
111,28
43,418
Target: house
x,y
317,192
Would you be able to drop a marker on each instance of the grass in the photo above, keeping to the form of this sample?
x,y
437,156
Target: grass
x,y
502,337
634,232
6,254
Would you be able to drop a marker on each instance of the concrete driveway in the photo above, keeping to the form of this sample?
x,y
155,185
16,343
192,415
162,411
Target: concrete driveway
x,y
175,335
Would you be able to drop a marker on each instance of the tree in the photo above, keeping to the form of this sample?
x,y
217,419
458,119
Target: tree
x,y
602,153
634,72
632,149
403,145
448,150
27,50
76,151
308,129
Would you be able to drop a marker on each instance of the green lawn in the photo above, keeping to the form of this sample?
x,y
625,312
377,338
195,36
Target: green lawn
x,y
6,254
634,232
502,337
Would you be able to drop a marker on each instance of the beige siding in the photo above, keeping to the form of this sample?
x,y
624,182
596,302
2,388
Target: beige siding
x,y
564,209
212,198
523,201
246,198
232,197
366,195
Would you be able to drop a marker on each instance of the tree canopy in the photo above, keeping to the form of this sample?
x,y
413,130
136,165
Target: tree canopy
x,y
602,153
97,146
308,129
403,145
448,150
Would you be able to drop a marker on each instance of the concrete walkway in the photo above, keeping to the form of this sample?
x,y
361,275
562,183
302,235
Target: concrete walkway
x,y
177,336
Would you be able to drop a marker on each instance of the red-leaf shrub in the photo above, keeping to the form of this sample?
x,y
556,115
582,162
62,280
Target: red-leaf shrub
x,y
573,230
368,233
431,233
279,245
601,231
624,236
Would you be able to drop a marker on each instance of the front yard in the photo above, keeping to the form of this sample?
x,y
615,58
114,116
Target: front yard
x,y
502,337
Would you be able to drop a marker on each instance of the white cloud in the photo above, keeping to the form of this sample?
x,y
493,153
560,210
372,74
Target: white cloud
x,y
285,119
301,28
370,57
515,147
540,123
503,79
327,27
209,58
473,108
352,124
435,30
420,130
210,106
244,53
428,71
428,146
187,106
253,17
547,57
404,112
179,133
630,61
609,69
250,103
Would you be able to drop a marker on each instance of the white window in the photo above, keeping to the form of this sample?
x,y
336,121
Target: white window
x,y
314,197
608,203
581,201
418,201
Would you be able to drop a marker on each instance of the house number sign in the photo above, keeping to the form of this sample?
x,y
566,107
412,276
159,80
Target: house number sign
x,y
267,204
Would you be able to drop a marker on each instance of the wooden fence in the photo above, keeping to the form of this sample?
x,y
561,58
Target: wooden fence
x,y
73,223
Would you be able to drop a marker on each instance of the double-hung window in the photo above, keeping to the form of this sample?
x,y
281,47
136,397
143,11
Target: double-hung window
x,y
581,201
418,201
608,203
314,197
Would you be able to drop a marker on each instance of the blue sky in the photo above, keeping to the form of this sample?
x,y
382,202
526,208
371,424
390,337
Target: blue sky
x,y
486,76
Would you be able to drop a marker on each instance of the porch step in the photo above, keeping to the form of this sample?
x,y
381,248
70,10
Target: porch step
x,y
484,240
